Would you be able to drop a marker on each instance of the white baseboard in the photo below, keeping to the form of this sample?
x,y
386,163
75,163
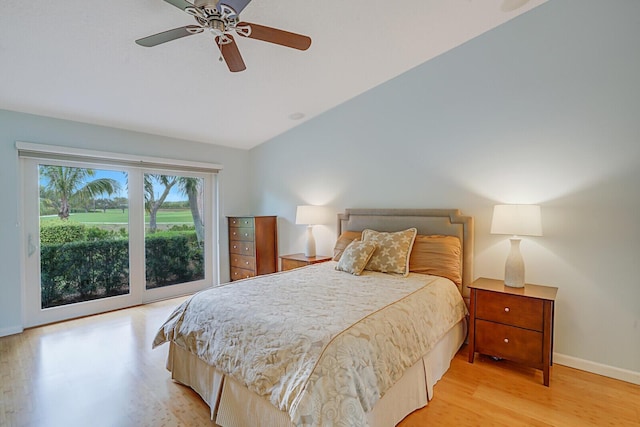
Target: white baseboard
x,y
11,330
597,368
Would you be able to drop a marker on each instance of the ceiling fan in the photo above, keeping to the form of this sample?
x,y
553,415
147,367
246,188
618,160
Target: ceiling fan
x,y
221,18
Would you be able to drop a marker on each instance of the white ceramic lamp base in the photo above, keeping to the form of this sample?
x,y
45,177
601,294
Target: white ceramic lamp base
x,y
310,248
514,267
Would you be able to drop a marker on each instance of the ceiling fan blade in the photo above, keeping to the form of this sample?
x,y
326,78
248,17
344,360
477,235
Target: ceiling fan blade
x,y
231,55
180,4
237,5
169,35
273,35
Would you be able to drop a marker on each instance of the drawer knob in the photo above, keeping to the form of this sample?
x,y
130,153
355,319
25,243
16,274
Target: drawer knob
x,y
506,309
246,262
246,249
506,340
235,247
246,234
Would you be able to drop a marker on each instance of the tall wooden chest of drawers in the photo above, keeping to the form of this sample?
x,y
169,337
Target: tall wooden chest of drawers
x,y
513,323
253,246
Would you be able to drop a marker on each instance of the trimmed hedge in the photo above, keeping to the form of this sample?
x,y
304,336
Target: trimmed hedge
x,y
62,232
172,258
85,270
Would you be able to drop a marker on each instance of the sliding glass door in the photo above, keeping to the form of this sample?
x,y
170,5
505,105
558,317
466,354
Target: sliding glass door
x,y
177,245
103,237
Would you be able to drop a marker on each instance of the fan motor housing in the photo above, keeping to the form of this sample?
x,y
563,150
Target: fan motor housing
x,y
206,4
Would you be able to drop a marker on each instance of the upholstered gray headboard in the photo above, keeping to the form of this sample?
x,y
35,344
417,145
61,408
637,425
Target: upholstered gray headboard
x,y
449,222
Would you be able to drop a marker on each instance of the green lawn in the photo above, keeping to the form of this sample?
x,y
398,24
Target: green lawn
x,y
116,216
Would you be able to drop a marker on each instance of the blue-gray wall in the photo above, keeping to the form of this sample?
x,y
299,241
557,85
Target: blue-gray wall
x,y
233,185
544,109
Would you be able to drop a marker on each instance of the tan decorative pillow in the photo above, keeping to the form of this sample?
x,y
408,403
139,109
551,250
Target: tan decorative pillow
x,y
343,241
392,255
438,256
355,257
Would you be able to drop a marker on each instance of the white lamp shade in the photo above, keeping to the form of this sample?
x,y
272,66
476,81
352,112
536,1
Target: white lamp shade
x,y
520,220
310,215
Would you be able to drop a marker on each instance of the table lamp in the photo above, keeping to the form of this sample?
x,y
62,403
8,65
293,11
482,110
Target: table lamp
x,y
517,220
310,215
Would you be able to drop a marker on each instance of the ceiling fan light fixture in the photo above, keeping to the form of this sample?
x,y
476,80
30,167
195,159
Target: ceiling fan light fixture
x,y
217,26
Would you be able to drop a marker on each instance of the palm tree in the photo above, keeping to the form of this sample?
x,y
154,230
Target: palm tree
x,y
191,187
70,184
151,203
187,185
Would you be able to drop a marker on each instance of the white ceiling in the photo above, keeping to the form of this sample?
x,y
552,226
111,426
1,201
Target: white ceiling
x,y
77,60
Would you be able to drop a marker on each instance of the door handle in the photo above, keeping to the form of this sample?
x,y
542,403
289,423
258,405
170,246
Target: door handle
x,y
31,248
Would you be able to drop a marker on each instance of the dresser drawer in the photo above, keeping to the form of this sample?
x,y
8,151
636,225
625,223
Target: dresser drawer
x,y
509,342
241,222
242,261
242,234
241,273
241,248
510,309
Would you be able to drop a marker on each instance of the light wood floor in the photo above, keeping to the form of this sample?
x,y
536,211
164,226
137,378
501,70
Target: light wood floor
x,y
101,371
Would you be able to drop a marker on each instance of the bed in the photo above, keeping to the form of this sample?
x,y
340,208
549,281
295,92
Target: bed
x,y
327,344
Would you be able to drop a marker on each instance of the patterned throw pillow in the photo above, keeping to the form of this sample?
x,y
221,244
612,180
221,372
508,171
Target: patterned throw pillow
x,y
355,257
394,249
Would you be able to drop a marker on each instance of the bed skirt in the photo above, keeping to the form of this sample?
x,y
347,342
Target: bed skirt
x,y
233,405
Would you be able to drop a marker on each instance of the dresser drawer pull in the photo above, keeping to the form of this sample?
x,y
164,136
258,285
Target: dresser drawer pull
x,y
235,247
246,234
506,309
246,262
506,340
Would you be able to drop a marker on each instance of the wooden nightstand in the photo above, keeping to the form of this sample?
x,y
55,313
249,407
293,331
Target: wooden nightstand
x,y
513,323
289,262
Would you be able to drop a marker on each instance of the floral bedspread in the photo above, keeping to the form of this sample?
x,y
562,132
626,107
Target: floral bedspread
x,y
320,344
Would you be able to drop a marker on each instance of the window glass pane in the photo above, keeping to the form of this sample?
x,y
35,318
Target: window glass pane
x,y
174,229
84,234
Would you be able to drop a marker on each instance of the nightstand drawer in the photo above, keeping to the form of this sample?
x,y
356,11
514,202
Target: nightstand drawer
x,y
509,342
242,261
290,264
241,248
510,309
